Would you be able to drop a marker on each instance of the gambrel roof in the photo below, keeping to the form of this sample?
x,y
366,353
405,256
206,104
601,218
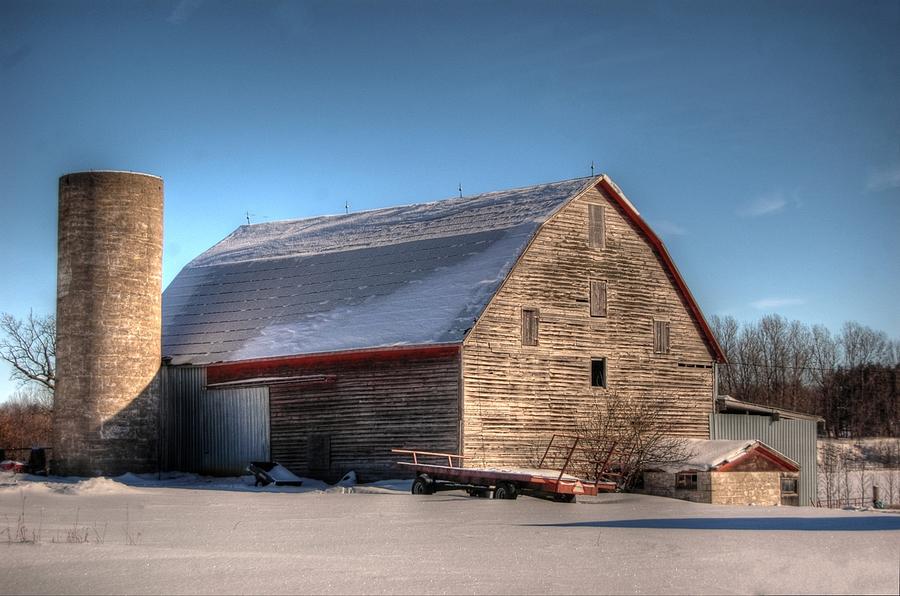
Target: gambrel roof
x,y
414,275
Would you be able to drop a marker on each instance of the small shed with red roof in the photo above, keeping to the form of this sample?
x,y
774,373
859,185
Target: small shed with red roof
x,y
727,473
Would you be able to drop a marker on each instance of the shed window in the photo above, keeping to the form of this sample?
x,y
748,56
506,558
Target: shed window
x,y
686,481
596,226
598,298
598,372
530,326
661,337
789,493
788,485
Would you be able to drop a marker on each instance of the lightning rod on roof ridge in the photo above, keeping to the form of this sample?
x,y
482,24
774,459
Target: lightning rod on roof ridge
x,y
460,190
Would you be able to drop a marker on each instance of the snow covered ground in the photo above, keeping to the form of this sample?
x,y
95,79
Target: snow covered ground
x,y
185,534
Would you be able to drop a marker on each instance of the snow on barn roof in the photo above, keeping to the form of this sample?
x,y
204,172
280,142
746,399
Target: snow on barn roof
x,y
411,275
711,454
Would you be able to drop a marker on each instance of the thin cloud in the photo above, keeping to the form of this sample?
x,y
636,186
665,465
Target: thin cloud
x,y
668,228
884,179
183,11
768,204
772,303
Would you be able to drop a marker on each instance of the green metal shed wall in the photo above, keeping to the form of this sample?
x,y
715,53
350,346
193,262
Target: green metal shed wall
x,y
794,438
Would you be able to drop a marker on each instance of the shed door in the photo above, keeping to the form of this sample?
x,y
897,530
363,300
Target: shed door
x,y
234,424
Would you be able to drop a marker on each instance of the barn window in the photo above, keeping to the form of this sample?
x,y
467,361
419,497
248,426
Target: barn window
x,y
596,226
661,337
598,298
530,326
686,481
598,372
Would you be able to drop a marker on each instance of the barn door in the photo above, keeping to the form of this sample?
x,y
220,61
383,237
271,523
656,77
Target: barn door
x,y
234,426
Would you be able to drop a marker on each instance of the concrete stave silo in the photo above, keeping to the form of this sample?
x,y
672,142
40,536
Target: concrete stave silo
x,y
109,287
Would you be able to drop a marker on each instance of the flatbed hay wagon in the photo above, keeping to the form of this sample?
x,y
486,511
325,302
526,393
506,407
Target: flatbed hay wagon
x,y
437,471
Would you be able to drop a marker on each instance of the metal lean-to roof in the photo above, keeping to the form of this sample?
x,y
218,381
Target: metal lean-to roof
x,y
412,275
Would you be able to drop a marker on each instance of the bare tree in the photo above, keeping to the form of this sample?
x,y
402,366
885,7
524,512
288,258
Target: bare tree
x,y
29,346
864,345
850,378
633,434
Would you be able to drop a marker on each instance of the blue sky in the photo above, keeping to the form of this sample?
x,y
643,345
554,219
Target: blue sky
x,y
761,140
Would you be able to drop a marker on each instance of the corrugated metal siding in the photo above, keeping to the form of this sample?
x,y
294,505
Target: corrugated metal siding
x,y
211,431
794,438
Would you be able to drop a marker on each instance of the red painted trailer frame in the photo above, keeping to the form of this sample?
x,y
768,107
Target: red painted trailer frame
x,y
508,483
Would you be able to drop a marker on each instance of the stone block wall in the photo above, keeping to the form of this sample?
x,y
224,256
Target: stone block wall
x,y
721,488
746,488
662,484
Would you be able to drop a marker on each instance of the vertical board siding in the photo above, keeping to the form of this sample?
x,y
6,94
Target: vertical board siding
x,y
596,226
529,327
661,337
369,409
211,431
516,396
598,298
794,438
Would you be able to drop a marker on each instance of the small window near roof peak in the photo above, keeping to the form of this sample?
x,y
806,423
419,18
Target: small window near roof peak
x,y
530,322
596,226
661,337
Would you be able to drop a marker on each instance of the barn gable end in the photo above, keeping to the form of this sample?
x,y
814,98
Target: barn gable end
x,y
516,395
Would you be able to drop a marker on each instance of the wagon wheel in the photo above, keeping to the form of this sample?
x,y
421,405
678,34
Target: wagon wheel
x,y
561,498
422,485
505,490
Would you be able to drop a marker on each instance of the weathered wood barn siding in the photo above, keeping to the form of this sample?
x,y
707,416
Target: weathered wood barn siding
x,y
348,415
516,395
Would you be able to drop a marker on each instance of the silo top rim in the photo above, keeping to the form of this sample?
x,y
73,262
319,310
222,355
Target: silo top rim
x,y
112,172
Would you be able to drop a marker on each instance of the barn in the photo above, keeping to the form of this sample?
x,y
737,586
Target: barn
x,y
479,325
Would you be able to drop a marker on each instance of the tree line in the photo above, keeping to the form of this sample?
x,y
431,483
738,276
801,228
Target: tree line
x,y
849,378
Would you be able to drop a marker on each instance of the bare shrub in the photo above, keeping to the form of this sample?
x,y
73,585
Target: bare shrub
x,y
630,434
26,418
132,537
20,532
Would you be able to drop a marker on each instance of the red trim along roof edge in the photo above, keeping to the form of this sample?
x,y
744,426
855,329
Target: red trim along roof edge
x,y
223,372
610,188
765,451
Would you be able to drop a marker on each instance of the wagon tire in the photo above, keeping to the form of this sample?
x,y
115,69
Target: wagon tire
x,y
422,485
505,490
561,498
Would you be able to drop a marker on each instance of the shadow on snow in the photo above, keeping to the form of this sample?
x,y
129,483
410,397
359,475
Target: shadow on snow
x,y
868,523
